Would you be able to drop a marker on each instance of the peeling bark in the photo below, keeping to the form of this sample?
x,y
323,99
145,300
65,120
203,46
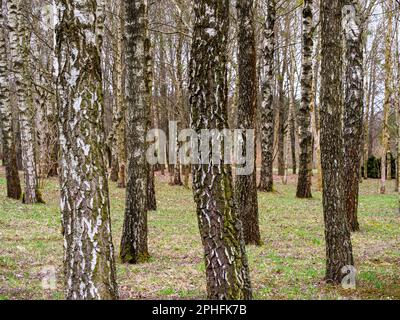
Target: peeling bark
x,y
220,226
88,249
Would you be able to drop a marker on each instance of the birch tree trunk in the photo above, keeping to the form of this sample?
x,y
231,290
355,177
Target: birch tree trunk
x,y
246,185
163,94
220,226
151,196
337,233
315,113
282,101
19,51
291,135
267,106
293,140
114,165
388,97
151,202
287,152
304,114
353,108
371,105
88,249
134,248
10,157
397,104
176,179
370,100
121,130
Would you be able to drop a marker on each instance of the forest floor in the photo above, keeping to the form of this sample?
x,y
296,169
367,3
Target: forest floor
x,y
290,264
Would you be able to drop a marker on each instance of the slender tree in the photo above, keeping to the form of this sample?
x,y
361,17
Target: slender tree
x,y
176,179
151,202
291,135
19,54
88,249
267,106
220,226
134,248
370,100
246,185
353,108
397,105
292,110
120,99
304,114
151,195
337,232
163,91
388,96
10,158
282,108
315,110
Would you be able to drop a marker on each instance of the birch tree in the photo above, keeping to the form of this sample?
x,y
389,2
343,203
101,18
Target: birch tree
x,y
281,93
134,248
120,99
304,114
10,158
315,111
220,226
19,54
370,101
291,136
267,107
397,104
337,233
246,185
353,108
151,203
388,96
88,249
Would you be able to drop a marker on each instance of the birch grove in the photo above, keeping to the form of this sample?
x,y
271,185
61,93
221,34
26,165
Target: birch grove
x,y
199,149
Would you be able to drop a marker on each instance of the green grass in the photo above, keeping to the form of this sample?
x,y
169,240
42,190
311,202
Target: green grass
x,y
290,264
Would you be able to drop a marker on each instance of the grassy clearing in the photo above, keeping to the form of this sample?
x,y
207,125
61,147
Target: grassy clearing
x,y
290,264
